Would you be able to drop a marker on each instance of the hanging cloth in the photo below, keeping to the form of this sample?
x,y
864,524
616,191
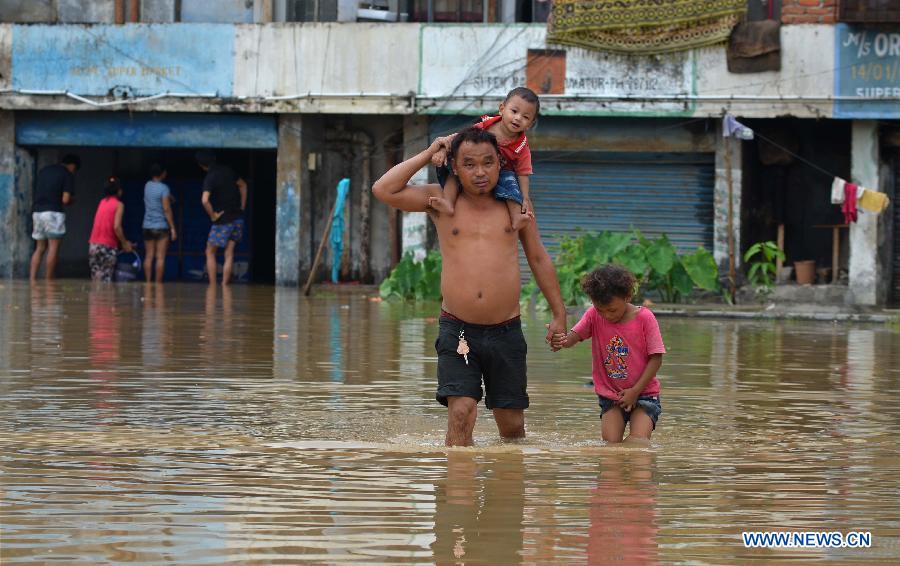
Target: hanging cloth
x,y
733,128
873,201
837,190
849,206
337,228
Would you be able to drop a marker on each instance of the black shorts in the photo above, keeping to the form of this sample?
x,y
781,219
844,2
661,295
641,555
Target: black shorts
x,y
496,356
153,234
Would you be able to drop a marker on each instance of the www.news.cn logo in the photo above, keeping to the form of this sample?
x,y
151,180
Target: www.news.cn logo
x,y
815,539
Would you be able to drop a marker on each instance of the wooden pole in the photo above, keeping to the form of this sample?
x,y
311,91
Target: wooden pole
x,y
120,11
365,201
728,181
315,265
835,252
134,8
779,263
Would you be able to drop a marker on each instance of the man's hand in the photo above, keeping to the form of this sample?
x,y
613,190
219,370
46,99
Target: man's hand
x,y
127,247
556,326
439,159
628,398
216,215
559,340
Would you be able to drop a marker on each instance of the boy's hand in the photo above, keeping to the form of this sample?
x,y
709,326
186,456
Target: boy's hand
x,y
628,398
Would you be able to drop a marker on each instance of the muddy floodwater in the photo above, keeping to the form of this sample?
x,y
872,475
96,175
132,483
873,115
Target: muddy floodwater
x,y
187,425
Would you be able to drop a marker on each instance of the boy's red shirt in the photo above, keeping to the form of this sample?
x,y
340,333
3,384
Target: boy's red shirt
x,y
515,154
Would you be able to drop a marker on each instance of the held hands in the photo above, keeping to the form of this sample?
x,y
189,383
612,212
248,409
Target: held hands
x,y
556,336
440,149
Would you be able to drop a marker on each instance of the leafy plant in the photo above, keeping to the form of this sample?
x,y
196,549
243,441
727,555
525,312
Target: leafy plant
x,y
762,257
655,263
410,279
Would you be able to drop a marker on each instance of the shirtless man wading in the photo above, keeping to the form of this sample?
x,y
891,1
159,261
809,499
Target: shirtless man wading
x,y
480,336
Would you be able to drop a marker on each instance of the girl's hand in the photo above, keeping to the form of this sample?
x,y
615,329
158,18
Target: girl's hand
x,y
628,398
173,234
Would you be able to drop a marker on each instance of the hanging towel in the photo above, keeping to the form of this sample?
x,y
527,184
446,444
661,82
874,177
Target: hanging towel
x,y
873,201
733,128
849,206
837,190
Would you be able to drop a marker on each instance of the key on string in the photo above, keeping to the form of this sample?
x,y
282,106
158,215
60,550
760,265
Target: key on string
x,y
463,348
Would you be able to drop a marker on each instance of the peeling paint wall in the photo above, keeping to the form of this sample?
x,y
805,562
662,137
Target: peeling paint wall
x,y
16,180
368,68
868,273
289,187
290,59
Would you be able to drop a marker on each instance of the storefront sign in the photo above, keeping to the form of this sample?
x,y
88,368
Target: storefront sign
x,y
867,66
125,61
498,59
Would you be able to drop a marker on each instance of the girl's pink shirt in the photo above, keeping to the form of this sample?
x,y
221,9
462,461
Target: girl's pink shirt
x,y
620,351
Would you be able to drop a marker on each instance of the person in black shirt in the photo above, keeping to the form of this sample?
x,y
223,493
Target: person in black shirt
x,y
54,189
224,200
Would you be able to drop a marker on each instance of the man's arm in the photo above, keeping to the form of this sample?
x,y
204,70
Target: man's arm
x,y
207,206
68,190
167,211
242,187
545,275
393,188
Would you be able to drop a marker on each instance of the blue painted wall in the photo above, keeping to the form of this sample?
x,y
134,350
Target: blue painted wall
x,y
146,59
151,129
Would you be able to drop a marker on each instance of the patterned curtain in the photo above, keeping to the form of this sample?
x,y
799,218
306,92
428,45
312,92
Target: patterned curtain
x,y
643,26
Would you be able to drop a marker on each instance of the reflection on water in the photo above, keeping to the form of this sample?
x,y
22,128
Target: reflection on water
x,y
192,424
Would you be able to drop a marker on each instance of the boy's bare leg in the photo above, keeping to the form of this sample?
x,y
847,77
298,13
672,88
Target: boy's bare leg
x,y
39,249
52,258
516,217
612,425
447,204
641,428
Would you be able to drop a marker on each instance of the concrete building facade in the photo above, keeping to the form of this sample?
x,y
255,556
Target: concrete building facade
x,y
622,140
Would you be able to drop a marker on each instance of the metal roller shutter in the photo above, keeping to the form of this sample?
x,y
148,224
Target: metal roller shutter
x,y
657,193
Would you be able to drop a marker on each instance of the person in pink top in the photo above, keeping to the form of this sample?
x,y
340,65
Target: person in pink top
x,y
627,350
107,234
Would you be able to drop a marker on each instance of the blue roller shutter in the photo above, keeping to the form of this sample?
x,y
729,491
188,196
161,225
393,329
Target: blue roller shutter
x,y
657,193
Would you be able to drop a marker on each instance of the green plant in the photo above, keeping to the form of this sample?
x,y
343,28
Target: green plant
x,y
762,257
411,279
656,264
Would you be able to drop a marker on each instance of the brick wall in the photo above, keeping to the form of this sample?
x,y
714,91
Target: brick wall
x,y
808,11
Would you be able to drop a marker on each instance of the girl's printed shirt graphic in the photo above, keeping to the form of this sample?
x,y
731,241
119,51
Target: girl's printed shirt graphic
x,y
616,361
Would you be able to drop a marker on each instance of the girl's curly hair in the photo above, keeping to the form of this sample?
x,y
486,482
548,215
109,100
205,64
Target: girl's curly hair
x,y
607,282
